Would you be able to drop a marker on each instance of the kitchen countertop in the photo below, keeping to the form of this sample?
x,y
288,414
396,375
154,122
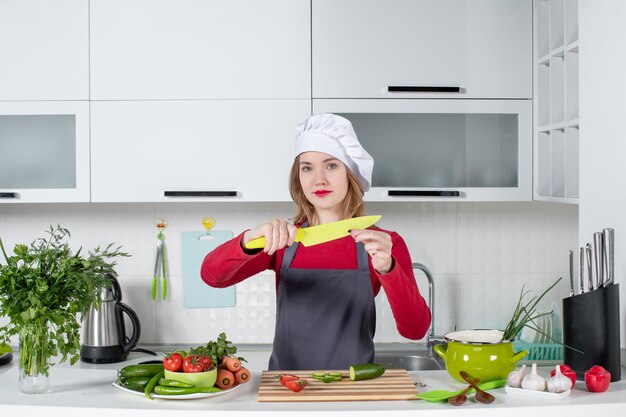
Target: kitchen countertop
x,y
85,389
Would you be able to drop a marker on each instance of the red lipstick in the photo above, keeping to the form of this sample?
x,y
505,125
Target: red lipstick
x,y
321,193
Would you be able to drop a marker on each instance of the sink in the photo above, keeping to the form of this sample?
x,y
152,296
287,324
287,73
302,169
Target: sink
x,y
410,362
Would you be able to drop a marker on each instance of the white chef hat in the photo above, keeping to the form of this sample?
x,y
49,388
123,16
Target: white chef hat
x,y
335,136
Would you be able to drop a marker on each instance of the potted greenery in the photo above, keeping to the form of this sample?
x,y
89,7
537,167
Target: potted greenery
x,y
44,288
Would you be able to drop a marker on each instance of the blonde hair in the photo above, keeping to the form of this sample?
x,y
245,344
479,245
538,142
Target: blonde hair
x,y
352,204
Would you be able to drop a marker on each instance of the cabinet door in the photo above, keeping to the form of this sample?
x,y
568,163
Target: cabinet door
x,y
458,150
193,150
44,151
44,49
362,47
191,49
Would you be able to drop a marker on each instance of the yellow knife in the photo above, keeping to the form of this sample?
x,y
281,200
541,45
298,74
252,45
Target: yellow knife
x,y
315,235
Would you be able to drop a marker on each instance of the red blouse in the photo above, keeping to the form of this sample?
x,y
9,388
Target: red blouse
x,y
228,264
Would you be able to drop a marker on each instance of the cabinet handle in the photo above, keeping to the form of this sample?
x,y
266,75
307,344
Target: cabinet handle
x,y
422,89
9,195
200,193
421,193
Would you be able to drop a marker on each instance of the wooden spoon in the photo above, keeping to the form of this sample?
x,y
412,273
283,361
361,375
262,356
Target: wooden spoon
x,y
461,398
480,396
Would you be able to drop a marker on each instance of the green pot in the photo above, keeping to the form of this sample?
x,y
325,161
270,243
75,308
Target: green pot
x,y
481,353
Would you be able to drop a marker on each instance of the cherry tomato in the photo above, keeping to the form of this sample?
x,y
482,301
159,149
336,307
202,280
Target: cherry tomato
x,y
296,385
205,361
284,378
597,379
191,364
173,362
568,372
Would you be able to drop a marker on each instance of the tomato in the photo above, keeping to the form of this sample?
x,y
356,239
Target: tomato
x,y
205,361
568,372
296,385
173,362
284,378
597,379
191,364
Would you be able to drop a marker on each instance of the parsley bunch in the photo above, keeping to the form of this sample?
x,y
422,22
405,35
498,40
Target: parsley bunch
x,y
44,288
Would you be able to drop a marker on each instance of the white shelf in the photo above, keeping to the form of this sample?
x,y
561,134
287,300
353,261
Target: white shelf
x,y
557,101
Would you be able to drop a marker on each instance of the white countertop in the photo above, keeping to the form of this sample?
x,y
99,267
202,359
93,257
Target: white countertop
x,y
85,390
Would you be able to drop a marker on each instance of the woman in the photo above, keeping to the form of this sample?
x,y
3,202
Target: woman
x,y
325,316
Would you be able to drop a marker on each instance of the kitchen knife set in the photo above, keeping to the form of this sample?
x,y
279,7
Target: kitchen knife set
x,y
602,257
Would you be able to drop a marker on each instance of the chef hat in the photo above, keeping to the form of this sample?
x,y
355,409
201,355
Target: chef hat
x,y
335,136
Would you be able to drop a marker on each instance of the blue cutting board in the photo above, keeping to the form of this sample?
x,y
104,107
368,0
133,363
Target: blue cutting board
x,y
194,247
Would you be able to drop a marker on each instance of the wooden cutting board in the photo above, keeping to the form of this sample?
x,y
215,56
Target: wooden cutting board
x,y
394,384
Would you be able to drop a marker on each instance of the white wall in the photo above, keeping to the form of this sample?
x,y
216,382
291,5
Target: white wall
x,y
480,254
602,61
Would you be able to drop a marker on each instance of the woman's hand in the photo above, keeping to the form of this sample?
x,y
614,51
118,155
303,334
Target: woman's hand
x,y
278,233
378,245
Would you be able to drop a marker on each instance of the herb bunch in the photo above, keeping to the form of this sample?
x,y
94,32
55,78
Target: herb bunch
x,y
216,349
44,287
525,314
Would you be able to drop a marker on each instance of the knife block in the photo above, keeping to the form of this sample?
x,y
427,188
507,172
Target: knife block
x,y
591,325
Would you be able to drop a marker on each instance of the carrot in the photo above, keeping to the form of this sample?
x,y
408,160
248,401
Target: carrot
x,y
225,378
232,364
242,375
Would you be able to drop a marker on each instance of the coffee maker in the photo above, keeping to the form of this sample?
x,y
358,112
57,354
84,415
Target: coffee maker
x,y
104,337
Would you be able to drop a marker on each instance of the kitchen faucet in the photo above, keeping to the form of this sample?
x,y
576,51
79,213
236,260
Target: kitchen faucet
x,y
431,339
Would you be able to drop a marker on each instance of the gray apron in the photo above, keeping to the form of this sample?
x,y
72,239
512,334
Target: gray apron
x,y
325,318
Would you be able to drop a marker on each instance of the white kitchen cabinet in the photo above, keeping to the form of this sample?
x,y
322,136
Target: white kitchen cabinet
x,y
193,150
556,124
434,150
361,48
44,151
44,49
191,49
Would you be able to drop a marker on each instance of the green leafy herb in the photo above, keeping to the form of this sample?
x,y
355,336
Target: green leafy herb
x,y
44,287
217,349
525,314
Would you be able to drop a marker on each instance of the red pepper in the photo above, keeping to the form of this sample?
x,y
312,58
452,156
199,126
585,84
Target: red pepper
x,y
597,379
568,372
296,385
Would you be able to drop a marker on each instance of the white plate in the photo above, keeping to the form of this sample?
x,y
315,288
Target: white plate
x,y
180,397
542,395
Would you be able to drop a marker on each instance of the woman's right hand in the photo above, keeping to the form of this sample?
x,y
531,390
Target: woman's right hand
x,y
278,233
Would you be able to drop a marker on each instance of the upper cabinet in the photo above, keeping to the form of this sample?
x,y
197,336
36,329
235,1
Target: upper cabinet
x,y
422,49
190,49
44,48
44,151
556,107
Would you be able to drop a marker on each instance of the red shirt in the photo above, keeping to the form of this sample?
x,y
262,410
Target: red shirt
x,y
228,264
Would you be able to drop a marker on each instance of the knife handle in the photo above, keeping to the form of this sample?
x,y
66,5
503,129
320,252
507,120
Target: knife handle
x,y
609,253
571,273
581,270
590,286
598,247
259,243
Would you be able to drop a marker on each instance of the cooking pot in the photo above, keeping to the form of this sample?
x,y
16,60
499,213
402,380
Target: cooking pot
x,y
481,353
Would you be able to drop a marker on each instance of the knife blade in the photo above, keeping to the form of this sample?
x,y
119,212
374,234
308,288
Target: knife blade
x,y
598,247
609,255
590,286
571,273
581,270
314,235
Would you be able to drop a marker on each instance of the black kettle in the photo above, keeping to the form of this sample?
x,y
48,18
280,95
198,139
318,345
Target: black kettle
x,y
104,337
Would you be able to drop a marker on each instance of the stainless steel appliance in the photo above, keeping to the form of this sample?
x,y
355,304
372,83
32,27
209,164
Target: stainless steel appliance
x,y
104,334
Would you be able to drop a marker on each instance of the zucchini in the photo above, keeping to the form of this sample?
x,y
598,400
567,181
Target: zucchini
x,y
366,371
132,371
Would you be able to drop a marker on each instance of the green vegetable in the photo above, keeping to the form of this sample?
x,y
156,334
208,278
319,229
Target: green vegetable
x,y
327,377
44,288
131,371
366,371
152,384
161,390
173,383
216,349
137,383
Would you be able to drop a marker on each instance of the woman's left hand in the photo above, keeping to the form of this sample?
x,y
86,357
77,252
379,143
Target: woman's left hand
x,y
378,245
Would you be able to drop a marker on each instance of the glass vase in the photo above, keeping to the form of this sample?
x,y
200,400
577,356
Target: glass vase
x,y
34,361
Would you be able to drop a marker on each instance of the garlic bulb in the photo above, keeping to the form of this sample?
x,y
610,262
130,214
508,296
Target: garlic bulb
x,y
514,379
559,382
534,381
